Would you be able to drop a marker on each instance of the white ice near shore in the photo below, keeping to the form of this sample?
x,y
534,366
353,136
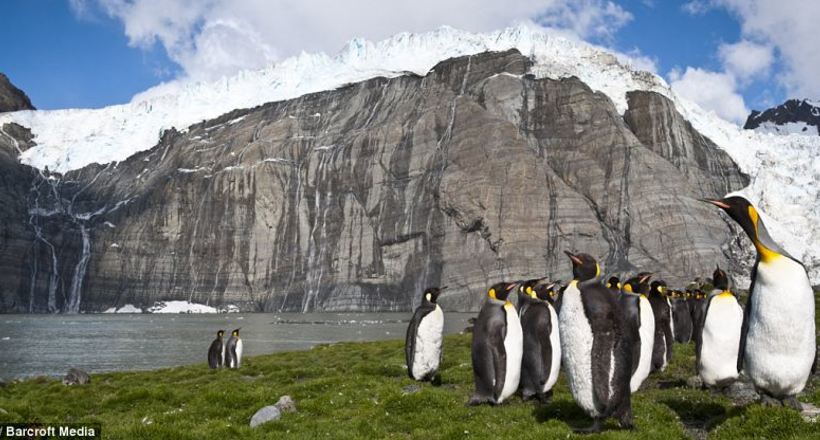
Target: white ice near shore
x,y
785,169
188,307
128,308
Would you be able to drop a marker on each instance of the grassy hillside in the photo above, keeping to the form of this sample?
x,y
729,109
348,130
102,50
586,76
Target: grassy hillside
x,y
355,390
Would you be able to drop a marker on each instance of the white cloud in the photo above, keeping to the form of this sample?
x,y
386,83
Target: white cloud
x,y
210,38
696,7
637,60
791,26
714,91
746,59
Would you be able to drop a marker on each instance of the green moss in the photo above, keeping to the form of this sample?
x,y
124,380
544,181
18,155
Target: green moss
x,y
354,390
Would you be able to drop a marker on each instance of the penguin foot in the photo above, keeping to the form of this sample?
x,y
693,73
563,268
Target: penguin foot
x,y
436,380
767,400
544,398
478,400
597,426
793,403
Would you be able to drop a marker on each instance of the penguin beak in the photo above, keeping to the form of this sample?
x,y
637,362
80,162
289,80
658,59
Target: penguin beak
x,y
575,260
511,286
719,203
646,277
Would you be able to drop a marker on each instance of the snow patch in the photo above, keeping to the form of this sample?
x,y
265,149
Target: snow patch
x,y
180,307
788,128
128,308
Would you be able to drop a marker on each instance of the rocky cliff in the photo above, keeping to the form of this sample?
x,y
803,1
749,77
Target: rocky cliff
x,y
12,98
795,116
358,198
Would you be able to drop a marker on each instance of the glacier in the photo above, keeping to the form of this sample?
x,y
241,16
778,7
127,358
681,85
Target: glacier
x,y
784,169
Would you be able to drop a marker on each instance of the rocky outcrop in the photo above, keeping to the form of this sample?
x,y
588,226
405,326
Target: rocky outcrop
x,y
799,116
358,198
12,99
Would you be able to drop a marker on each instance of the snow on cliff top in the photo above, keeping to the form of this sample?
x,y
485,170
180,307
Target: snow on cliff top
x,y
785,170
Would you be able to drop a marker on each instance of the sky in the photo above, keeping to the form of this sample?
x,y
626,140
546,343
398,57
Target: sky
x,y
730,56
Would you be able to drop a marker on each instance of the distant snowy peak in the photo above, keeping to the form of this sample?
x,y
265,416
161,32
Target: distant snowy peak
x,y
794,116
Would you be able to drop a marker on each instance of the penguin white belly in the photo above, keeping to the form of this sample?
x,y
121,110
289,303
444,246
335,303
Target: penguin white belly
x,y
238,353
514,348
720,340
671,320
647,334
427,354
555,342
780,342
576,348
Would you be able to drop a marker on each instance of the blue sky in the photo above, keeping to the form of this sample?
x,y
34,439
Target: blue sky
x,y
92,53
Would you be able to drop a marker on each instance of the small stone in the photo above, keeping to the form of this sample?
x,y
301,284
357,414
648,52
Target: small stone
x,y
694,382
286,404
742,393
810,412
265,415
2,411
411,389
76,377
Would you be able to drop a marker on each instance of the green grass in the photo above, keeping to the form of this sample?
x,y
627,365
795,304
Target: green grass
x,y
354,390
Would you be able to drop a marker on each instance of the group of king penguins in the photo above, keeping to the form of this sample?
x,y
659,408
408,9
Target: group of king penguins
x,y
610,336
228,355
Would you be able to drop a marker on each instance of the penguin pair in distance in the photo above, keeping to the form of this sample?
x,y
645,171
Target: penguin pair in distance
x,y
664,338
777,340
233,350
422,347
719,339
597,357
541,359
639,314
216,353
497,347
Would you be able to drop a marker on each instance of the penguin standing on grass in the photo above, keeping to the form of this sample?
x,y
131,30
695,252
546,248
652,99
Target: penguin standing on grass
x,y
662,350
720,335
497,348
542,343
635,294
422,347
597,356
233,350
216,353
777,340
697,308
681,317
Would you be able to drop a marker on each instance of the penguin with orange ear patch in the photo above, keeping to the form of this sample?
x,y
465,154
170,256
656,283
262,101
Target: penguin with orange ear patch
x,y
497,348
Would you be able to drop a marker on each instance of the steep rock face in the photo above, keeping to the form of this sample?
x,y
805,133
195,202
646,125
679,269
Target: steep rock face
x,y
358,198
12,98
799,116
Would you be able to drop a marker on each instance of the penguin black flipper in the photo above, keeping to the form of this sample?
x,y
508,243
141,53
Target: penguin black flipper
x,y
537,360
497,334
412,329
488,354
747,310
632,314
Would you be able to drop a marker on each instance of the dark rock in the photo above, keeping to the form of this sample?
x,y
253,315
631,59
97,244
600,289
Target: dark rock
x,y
741,392
793,110
286,404
265,415
410,389
76,377
11,98
461,177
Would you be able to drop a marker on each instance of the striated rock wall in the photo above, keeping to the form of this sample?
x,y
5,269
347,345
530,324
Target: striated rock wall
x,y
358,198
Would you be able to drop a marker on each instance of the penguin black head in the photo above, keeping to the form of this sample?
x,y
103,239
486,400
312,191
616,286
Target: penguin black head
x,y
638,284
546,291
613,283
746,215
720,280
432,293
527,288
657,288
220,333
501,291
584,266
236,332
699,295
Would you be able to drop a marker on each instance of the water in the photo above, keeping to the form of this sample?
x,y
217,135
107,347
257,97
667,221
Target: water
x,y
48,345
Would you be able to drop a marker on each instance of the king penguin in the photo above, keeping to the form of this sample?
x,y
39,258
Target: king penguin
x,y
697,307
542,342
613,284
681,317
662,349
233,350
422,347
716,352
777,340
597,356
635,294
497,348
216,353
